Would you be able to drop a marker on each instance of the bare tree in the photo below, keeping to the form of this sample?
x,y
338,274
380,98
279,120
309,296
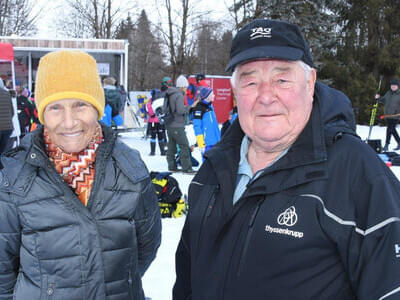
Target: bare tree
x,y
179,37
90,18
212,48
17,17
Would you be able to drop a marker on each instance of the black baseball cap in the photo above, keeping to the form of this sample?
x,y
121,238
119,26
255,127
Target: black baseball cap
x,y
263,38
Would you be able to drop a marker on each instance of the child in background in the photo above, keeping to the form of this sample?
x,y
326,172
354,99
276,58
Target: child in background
x,y
205,122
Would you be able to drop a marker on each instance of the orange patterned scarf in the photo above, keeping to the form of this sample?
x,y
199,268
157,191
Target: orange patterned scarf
x,y
77,169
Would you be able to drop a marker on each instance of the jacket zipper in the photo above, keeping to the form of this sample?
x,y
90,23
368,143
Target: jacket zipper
x,y
210,206
130,282
248,236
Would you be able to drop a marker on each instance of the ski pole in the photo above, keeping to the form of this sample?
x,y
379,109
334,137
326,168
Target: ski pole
x,y
374,108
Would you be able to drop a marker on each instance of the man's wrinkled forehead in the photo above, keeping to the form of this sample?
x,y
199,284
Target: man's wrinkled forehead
x,y
277,65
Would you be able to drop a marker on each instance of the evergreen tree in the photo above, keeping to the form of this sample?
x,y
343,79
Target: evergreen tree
x,y
367,47
212,49
145,58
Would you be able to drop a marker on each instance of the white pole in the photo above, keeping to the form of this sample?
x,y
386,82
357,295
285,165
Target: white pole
x,y
13,74
126,65
30,71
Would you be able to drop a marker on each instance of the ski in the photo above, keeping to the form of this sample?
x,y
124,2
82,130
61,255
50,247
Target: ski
x,y
373,111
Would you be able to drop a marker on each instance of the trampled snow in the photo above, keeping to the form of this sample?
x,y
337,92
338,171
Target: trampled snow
x,y
160,277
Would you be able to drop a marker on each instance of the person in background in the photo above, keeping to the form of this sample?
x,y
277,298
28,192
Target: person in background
x,y
26,110
123,96
6,115
166,82
183,83
231,118
156,130
79,217
291,203
391,101
33,112
176,129
205,122
113,102
193,90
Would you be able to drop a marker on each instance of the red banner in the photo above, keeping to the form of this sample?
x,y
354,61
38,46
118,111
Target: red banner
x,y
223,102
6,52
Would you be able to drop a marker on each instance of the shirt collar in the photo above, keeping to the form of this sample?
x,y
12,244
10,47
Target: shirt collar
x,y
244,166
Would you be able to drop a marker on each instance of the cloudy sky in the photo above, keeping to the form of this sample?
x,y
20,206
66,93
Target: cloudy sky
x,y
50,11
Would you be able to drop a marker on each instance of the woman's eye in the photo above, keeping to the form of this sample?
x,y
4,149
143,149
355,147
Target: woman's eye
x,y
54,107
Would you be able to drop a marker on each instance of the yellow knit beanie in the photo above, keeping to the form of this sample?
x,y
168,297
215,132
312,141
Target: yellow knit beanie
x,y
68,75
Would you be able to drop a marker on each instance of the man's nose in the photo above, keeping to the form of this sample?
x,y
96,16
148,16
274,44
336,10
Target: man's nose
x,y
266,92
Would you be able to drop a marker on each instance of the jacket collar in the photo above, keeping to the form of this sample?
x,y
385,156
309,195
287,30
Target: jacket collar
x,y
331,116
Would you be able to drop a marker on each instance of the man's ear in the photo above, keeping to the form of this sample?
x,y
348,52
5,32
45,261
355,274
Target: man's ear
x,y
311,82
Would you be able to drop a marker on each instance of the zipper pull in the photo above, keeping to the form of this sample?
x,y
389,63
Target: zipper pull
x,y
212,202
254,214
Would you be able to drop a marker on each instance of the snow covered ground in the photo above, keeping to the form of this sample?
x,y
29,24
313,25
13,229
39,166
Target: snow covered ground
x,y
160,277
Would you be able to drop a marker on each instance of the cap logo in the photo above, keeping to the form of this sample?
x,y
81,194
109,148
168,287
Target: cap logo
x,y
260,32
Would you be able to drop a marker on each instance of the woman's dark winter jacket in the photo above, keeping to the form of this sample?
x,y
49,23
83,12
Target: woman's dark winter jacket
x,y
391,101
322,223
52,247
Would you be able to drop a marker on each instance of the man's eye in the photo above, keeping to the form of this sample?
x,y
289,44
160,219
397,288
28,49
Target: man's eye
x,y
249,83
81,104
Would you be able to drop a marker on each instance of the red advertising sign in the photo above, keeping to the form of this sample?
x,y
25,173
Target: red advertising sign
x,y
223,102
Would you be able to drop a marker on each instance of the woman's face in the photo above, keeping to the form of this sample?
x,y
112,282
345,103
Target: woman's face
x,y
71,123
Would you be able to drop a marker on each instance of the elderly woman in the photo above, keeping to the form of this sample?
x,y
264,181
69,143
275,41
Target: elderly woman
x,y
78,214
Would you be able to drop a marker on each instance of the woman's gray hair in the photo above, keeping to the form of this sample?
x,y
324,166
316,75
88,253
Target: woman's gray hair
x,y
307,70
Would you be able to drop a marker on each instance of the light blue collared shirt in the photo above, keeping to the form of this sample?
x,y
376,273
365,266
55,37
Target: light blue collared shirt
x,y
245,174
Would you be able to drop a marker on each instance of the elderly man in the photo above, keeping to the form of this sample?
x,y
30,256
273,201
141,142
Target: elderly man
x,y
291,204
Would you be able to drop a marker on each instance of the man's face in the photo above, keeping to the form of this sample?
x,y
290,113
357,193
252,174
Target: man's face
x,y
274,101
71,123
394,87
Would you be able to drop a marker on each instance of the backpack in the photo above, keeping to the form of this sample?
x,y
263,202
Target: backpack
x,y
169,195
112,97
162,109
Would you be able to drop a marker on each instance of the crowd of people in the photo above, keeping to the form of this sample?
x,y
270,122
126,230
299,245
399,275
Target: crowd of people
x,y
289,204
187,103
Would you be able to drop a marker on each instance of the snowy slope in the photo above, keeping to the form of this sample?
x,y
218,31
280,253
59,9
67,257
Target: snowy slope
x,y
160,277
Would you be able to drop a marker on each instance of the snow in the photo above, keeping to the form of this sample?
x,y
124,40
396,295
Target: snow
x,y
160,277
